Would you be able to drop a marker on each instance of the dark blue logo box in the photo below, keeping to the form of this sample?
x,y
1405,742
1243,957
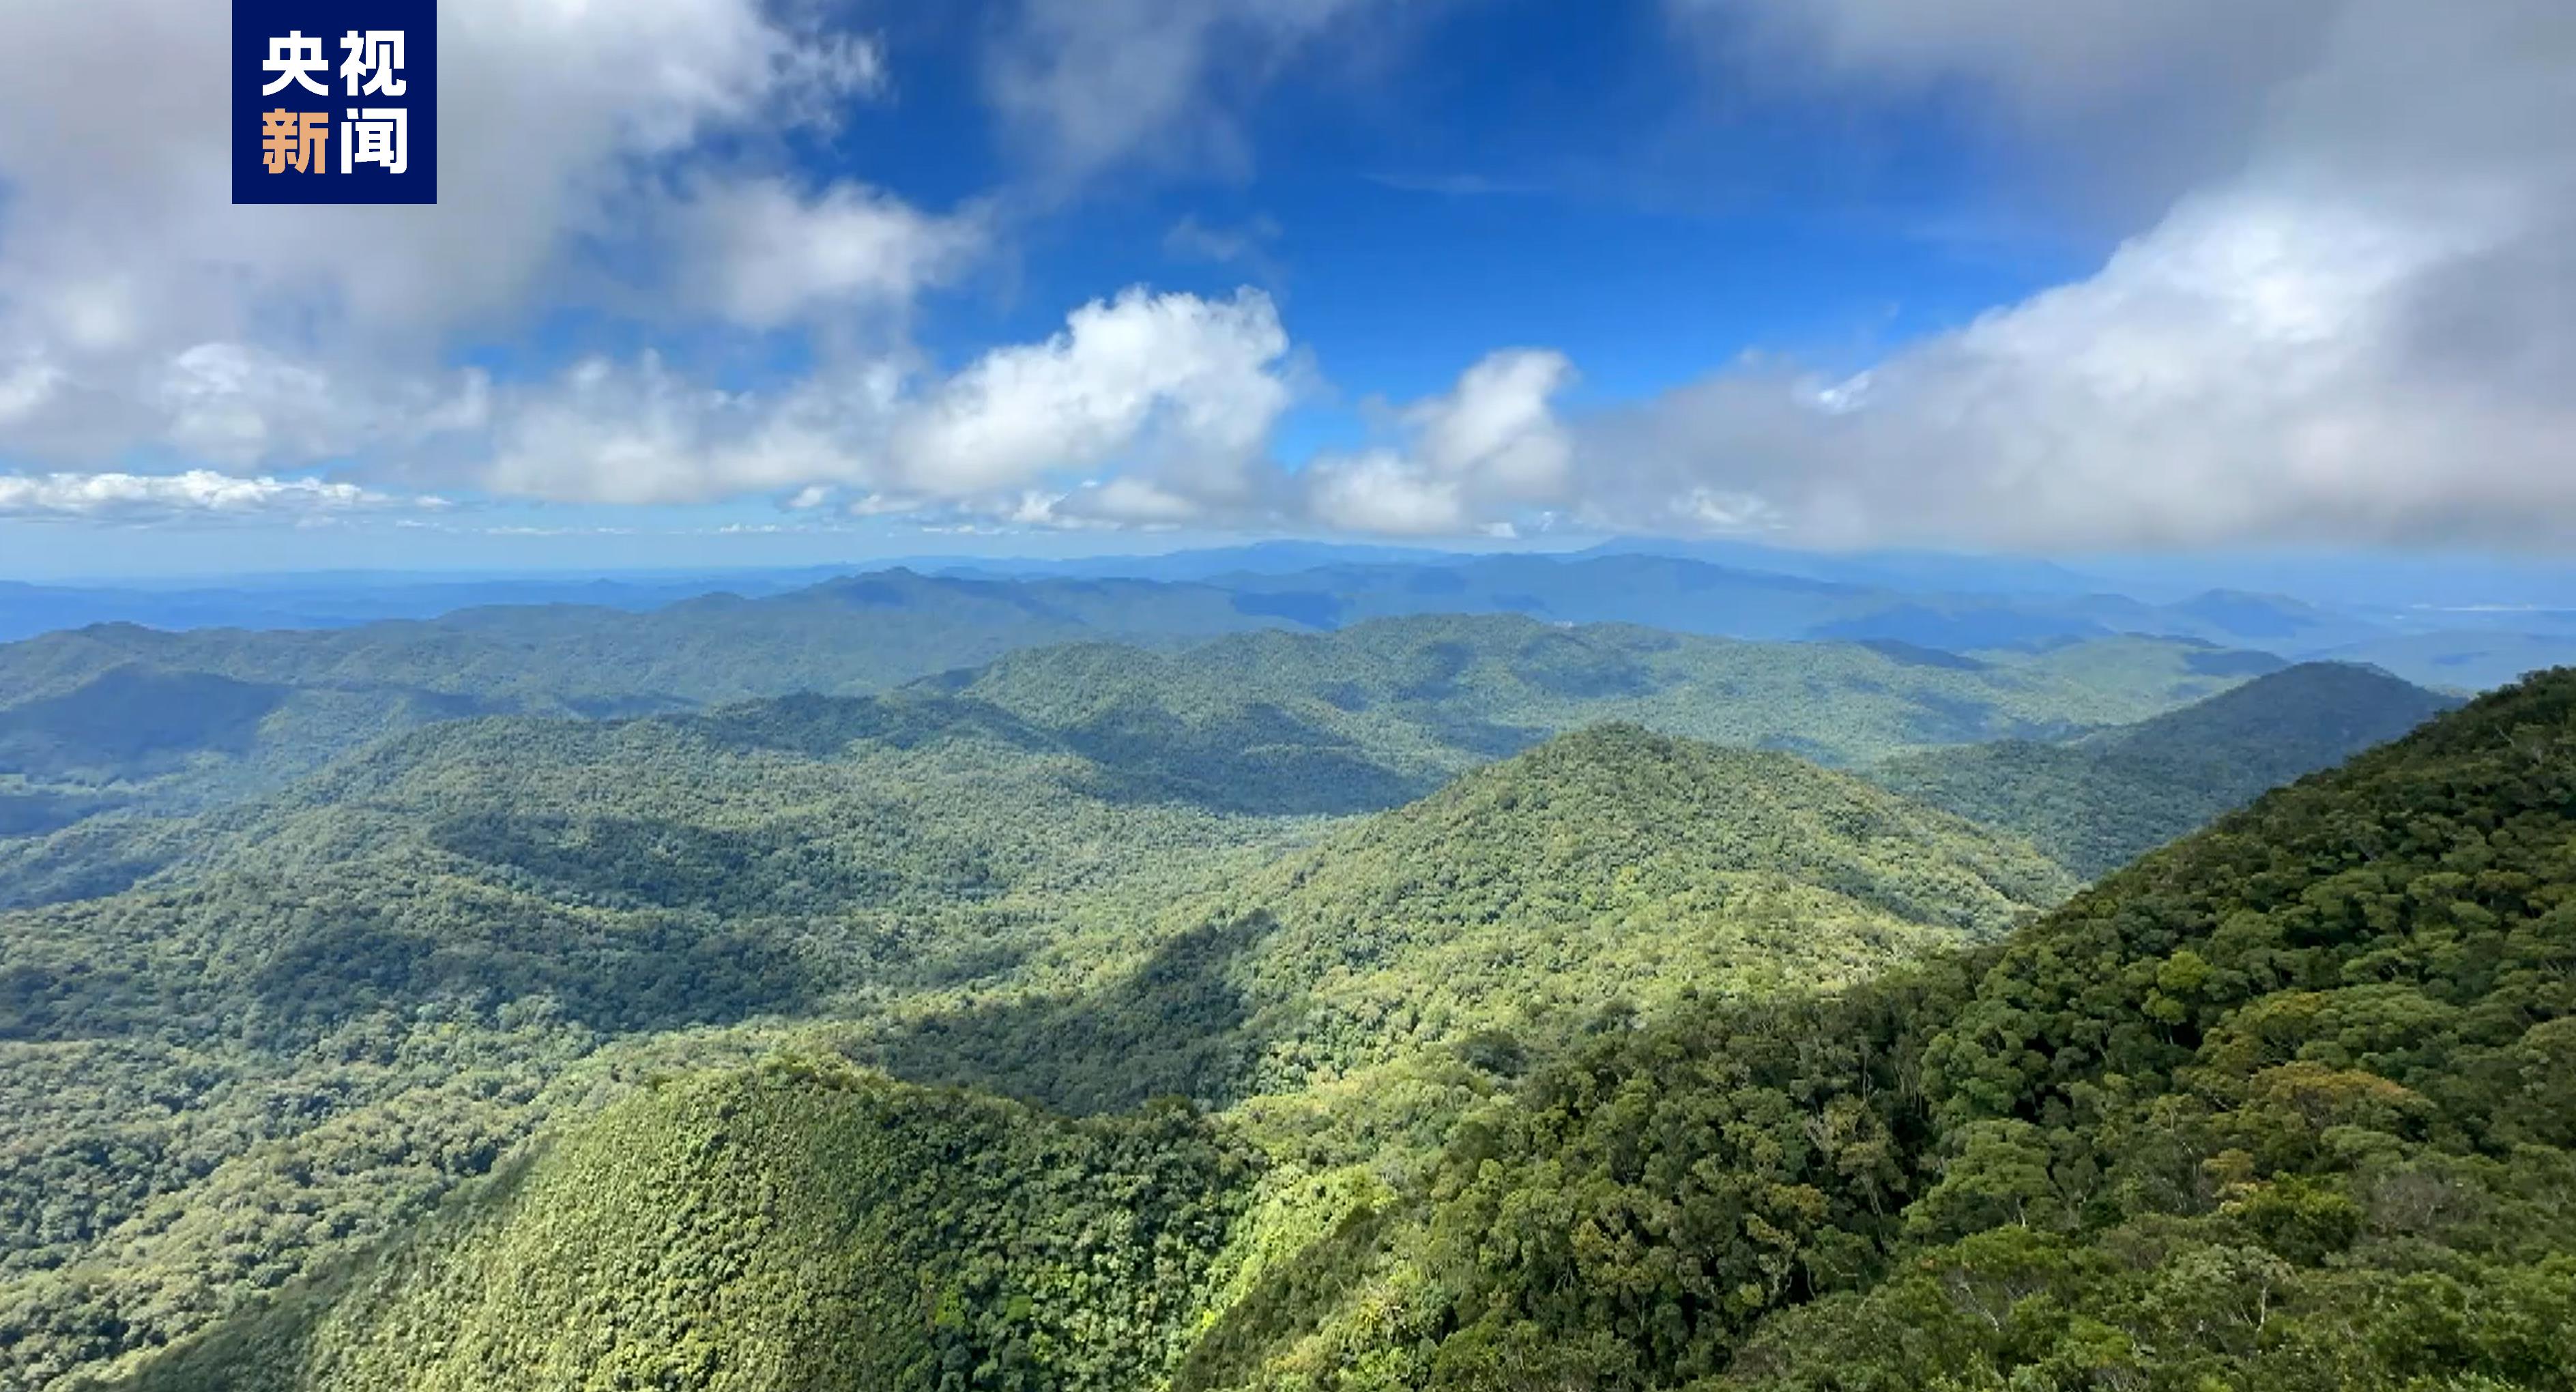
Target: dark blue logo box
x,y
354,118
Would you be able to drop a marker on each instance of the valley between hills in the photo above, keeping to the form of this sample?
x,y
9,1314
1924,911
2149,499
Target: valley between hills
x,y
806,991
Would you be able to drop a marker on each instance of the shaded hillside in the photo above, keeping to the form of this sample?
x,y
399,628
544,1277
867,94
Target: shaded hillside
x,y
799,1225
334,1004
1559,893
1612,869
782,806
2282,1106
193,719
2098,802
1600,874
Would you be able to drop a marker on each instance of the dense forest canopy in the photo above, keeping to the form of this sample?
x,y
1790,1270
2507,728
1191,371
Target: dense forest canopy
x,y
1351,721
2097,802
1243,1012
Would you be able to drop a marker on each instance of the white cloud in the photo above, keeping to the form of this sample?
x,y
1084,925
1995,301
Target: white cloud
x,y
1381,491
761,254
25,387
2366,333
2349,316
607,432
122,258
1186,388
1486,452
2133,102
1179,391
197,495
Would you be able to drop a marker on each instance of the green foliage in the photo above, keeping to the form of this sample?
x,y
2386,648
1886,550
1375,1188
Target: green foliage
x,y
342,1001
437,1069
145,725
799,1225
192,720
1604,874
2101,801
1424,698
2282,1106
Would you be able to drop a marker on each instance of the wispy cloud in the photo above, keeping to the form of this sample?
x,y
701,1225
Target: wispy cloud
x,y
197,495
1459,185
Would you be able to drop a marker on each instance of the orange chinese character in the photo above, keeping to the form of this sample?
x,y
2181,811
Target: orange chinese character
x,y
298,138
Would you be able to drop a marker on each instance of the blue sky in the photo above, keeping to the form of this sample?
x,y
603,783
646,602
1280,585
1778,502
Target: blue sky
x,y
738,282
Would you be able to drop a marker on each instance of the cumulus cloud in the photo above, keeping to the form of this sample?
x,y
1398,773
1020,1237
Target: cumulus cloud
x,y
2348,315
1176,391
138,307
1185,388
763,254
197,495
1480,455
2367,333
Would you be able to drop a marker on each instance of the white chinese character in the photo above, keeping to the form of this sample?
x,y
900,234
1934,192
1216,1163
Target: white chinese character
x,y
378,135
375,55
295,58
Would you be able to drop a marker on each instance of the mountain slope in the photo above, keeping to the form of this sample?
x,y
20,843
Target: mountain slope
x,y
332,1005
1427,697
2098,802
798,1225
2284,1105
1612,868
1599,874
193,719
1560,892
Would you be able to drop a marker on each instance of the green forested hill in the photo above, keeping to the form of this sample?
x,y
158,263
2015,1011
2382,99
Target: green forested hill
x,y
1603,873
1613,869
339,1001
797,1225
1359,719
2100,801
859,633
1531,1080
183,721
2283,1106
1426,697
935,886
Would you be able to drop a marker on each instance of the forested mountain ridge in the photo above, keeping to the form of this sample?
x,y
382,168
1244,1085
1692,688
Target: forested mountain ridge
x,y
183,721
2101,800
1615,870
322,1009
365,989
2281,1106
1354,720
1557,893
1449,691
1604,873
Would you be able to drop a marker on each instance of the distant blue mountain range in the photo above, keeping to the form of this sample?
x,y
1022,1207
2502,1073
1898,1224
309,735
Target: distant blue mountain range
x,y
2463,624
